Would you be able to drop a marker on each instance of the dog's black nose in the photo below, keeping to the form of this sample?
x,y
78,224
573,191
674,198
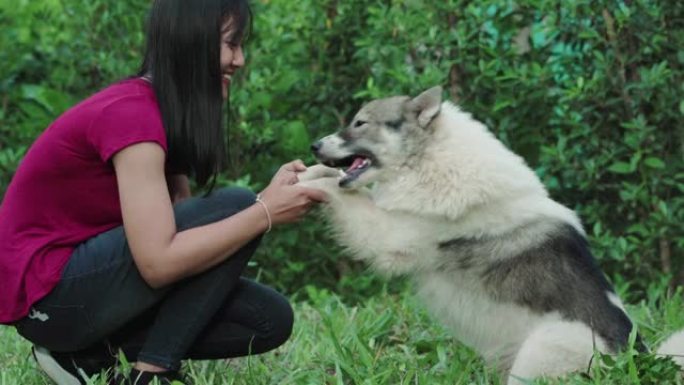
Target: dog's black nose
x,y
316,146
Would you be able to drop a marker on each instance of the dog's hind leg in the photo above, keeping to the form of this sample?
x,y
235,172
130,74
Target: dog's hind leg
x,y
674,347
554,349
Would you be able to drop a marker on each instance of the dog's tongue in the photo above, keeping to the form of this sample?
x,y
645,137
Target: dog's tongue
x,y
356,164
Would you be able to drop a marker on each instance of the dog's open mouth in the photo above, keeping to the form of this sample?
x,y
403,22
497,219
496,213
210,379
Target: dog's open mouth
x,y
353,166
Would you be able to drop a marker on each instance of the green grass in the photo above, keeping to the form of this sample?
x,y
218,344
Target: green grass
x,y
387,339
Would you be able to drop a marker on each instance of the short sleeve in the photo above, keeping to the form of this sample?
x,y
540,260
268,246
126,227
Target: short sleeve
x,y
126,121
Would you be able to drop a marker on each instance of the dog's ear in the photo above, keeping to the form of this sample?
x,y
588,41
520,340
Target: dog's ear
x,y
426,105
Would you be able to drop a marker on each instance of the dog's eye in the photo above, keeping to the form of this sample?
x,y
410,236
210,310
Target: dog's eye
x,y
359,123
395,124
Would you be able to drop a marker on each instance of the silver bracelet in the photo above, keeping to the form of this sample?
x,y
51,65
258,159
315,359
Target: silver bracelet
x,y
268,214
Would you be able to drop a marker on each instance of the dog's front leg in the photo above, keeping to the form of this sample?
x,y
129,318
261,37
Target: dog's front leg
x,y
388,241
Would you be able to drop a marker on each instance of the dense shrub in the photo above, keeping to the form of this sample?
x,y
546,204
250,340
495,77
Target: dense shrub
x,y
589,92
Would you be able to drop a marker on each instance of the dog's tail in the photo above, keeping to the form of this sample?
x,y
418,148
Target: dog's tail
x,y
674,347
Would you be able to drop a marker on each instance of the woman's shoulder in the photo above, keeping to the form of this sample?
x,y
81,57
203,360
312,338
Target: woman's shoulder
x,y
122,111
134,91
129,100
131,95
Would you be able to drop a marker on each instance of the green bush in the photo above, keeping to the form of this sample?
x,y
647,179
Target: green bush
x,y
52,54
589,92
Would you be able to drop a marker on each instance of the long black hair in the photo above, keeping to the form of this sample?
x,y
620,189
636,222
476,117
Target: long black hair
x,y
182,57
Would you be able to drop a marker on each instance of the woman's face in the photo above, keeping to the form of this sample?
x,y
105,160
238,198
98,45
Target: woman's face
x,y
232,57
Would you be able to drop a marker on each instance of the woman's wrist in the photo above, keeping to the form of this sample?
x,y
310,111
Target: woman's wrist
x,y
258,221
264,206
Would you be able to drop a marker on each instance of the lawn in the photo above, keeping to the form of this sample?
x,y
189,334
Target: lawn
x,y
386,339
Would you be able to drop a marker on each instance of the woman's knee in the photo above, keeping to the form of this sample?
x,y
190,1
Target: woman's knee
x,y
266,312
284,321
281,318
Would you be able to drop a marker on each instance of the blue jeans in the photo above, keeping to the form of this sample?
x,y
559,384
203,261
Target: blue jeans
x,y
102,302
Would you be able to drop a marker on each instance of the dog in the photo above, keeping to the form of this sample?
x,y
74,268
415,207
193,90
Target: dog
x,y
430,193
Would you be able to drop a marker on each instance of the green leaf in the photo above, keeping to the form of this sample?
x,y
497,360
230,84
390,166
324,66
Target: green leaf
x,y
607,360
261,100
501,104
663,208
621,168
654,163
638,229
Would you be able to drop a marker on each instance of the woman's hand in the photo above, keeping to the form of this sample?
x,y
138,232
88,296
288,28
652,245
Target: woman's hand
x,y
287,202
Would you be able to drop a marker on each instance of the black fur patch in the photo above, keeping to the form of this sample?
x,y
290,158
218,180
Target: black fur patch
x,y
395,124
463,250
560,274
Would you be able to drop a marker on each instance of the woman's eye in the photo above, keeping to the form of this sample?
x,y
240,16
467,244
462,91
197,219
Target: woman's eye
x,y
231,44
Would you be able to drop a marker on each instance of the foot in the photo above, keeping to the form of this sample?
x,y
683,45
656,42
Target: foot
x,y
67,369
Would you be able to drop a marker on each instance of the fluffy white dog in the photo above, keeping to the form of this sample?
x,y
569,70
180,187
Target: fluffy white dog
x,y
429,192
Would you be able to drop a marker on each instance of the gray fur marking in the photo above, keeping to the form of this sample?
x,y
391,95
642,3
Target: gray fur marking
x,y
558,274
395,124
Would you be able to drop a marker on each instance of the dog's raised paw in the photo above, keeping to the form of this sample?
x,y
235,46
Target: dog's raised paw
x,y
318,171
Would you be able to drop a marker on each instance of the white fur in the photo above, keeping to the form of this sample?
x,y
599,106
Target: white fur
x,y
615,300
467,185
553,349
674,347
465,168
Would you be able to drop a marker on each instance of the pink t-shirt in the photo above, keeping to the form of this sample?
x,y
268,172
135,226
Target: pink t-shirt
x,y
65,192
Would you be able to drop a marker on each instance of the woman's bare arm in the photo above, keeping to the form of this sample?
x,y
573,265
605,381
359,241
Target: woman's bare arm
x,y
163,255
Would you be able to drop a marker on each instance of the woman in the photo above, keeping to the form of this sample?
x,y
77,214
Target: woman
x,y
95,256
